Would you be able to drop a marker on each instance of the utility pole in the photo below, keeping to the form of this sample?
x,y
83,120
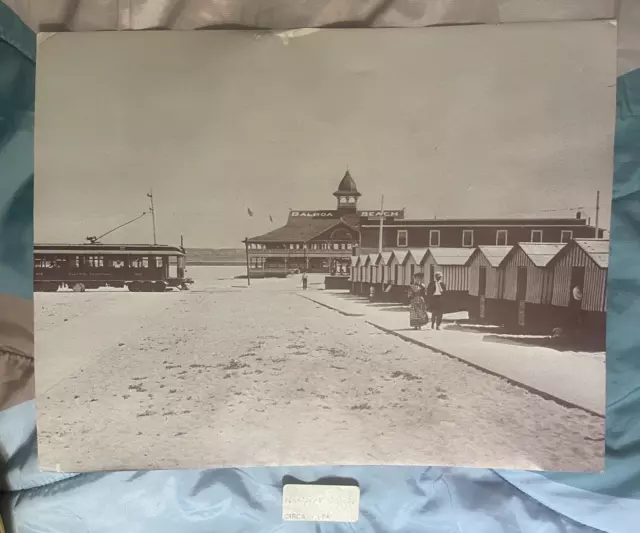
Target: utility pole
x,y
598,215
153,215
246,248
381,223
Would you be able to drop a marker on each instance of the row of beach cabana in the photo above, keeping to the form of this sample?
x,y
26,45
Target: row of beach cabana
x,y
528,285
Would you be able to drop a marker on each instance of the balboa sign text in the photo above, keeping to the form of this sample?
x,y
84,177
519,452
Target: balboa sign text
x,y
334,214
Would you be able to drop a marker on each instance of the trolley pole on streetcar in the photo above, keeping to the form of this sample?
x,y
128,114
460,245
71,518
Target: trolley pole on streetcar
x,y
153,215
246,250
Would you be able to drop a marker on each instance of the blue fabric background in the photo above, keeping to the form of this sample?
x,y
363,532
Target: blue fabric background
x,y
394,499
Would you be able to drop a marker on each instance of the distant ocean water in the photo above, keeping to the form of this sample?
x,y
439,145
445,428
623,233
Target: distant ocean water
x,y
206,274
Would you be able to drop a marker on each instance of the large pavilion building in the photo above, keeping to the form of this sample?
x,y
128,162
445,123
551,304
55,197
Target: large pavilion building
x,y
325,240
314,241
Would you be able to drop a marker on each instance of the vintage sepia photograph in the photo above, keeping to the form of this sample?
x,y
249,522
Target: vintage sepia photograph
x,y
323,247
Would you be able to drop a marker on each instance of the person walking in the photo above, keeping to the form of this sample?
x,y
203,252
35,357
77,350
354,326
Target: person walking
x,y
435,295
304,281
418,315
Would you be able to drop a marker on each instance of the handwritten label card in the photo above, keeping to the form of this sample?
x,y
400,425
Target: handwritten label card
x,y
321,503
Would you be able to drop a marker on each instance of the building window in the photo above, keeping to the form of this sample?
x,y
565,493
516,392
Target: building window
x,y
434,237
403,238
501,237
536,235
467,238
566,235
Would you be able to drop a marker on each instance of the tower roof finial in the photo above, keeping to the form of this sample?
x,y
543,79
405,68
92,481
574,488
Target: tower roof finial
x,y
347,186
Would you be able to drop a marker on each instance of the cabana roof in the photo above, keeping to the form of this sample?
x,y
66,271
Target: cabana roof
x,y
540,253
418,254
596,249
400,255
451,256
495,255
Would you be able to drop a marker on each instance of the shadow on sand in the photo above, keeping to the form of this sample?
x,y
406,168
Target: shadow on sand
x,y
500,334
560,344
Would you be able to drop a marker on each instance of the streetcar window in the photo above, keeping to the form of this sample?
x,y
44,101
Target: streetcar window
x,y
158,262
140,262
44,263
95,261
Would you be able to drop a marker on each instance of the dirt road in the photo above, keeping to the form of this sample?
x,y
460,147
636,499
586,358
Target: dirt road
x,y
225,375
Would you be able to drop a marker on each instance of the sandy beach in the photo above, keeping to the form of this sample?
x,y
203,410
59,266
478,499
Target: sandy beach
x,y
227,374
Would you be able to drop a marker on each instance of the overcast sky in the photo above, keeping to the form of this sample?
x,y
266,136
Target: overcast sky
x,y
480,121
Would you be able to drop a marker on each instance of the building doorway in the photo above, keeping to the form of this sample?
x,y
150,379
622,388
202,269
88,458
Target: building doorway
x,y
576,295
482,281
577,280
521,287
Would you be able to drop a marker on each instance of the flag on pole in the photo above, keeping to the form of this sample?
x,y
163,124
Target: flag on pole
x,y
249,212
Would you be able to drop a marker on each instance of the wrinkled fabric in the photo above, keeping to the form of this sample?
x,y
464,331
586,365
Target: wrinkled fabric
x,y
88,15
17,70
394,499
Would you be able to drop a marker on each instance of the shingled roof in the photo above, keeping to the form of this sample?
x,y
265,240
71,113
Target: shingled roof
x,y
347,185
299,230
